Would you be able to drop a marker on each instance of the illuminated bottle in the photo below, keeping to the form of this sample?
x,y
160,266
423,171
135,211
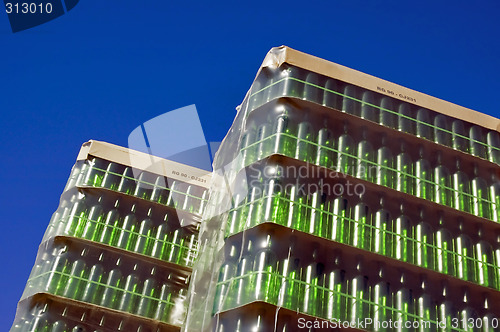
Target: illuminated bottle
x,y
325,155
360,231
112,177
336,296
461,187
480,201
381,239
445,257
382,301
330,97
404,176
313,279
126,235
402,244
468,318
274,206
110,295
346,159
316,221
73,285
284,142
442,130
365,164
109,225
424,187
160,192
173,194
127,182
264,269
494,197
406,122
226,273
388,117
487,271
368,111
358,301
312,90
92,288
403,305
94,220
297,208
144,187
340,220
384,168
57,277
459,136
96,172
177,241
128,300
264,141
423,243
76,218
304,150
350,103
477,147
465,266
254,213
242,289
493,140
291,272
442,184
148,295
424,129
235,214
247,148
425,310
144,236
447,318
164,302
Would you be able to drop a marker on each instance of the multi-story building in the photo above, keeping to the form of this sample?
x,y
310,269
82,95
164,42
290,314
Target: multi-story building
x,y
344,200
118,251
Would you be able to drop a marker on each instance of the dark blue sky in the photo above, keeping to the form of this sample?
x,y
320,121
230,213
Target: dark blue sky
x,y
107,66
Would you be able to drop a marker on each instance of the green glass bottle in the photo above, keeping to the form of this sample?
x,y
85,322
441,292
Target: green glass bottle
x,y
340,222
164,302
336,296
424,187
94,220
461,187
331,96
59,326
144,235
56,279
316,223
359,230
388,117
381,305
127,182
126,232
404,167
346,159
243,293
248,148
365,165
477,146
442,184
423,124
313,279
144,187
465,266
96,172
325,155
487,271
226,273
368,109
76,279
254,207
402,238
291,86
284,141
130,293
468,318
110,295
442,130
403,305
350,103
76,218
160,240
304,150
493,141
480,201
177,241
406,121
159,193
494,196
92,286
358,301
256,94
447,317
274,205
444,252
424,253
459,136
426,313
145,306
235,215
312,89
290,283
264,141
381,239
109,225
112,177
384,169
264,270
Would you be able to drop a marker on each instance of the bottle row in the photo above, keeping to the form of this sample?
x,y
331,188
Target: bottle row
x,y
111,288
315,290
395,236
435,182
378,108
49,315
162,242
104,174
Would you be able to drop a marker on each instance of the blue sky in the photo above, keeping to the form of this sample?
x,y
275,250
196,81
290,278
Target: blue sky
x,y
107,66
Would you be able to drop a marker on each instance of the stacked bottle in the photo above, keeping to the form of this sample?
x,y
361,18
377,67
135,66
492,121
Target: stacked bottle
x,y
122,239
